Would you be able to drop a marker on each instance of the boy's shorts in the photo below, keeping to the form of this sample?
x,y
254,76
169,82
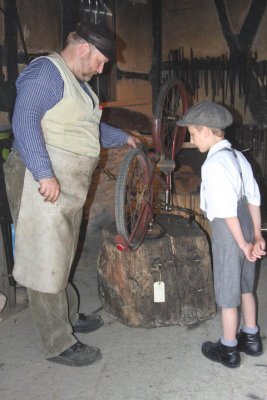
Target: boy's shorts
x,y
233,273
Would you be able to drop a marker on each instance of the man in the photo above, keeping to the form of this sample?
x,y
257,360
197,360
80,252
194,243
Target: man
x,y
56,123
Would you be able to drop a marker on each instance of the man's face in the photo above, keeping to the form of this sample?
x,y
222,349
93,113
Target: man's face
x,y
92,63
198,137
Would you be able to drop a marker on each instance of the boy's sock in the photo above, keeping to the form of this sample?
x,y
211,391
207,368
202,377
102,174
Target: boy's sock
x,y
229,343
250,331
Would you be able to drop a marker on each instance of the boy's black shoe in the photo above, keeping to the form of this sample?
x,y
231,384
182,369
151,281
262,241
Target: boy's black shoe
x,y
228,356
250,344
77,355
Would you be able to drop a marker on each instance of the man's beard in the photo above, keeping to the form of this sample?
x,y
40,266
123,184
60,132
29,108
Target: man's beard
x,y
88,77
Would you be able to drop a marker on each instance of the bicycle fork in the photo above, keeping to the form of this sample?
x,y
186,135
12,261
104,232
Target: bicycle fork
x,y
167,167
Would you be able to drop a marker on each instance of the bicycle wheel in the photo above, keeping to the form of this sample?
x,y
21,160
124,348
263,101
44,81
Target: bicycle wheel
x,y
170,107
133,198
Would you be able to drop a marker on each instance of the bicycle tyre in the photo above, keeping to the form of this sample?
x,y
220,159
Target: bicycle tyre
x,y
133,198
171,105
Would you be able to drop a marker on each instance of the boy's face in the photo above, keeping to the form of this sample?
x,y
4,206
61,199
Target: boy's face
x,y
200,138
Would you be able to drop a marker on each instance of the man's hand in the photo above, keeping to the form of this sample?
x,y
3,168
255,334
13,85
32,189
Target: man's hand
x,y
50,189
133,140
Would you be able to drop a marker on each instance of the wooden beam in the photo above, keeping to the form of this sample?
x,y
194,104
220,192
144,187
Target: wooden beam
x,y
123,103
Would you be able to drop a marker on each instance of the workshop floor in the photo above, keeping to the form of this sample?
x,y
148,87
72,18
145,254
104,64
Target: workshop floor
x,y
137,364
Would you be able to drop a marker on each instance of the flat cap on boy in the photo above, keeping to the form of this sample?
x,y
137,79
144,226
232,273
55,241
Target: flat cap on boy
x,y
207,114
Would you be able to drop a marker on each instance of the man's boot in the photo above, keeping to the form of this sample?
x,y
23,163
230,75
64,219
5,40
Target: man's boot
x,y
77,355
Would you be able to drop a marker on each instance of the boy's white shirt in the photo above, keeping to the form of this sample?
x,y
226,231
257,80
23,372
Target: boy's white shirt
x,y
221,182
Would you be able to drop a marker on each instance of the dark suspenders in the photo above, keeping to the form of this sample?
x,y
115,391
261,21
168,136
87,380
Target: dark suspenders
x,y
242,193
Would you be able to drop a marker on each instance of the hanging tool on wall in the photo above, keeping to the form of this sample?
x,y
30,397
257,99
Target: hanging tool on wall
x,y
221,75
94,11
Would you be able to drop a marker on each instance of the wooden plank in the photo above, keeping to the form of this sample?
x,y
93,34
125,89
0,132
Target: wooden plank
x,y
188,145
124,103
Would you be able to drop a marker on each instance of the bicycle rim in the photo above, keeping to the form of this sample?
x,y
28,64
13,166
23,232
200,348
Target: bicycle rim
x,y
170,107
133,198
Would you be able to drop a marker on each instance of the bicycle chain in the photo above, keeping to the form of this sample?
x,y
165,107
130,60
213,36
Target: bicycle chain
x,y
107,172
162,206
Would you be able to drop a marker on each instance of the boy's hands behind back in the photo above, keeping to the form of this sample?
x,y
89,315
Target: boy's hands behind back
x,y
259,247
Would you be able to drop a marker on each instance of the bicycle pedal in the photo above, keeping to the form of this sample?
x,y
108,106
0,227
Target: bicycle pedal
x,y
166,165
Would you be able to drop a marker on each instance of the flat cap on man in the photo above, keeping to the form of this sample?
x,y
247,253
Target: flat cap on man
x,y
100,36
207,114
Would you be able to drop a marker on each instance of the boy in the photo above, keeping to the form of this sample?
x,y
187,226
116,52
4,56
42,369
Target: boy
x,y
230,199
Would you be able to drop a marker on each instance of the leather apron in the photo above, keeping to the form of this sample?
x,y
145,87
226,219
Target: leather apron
x,y
46,233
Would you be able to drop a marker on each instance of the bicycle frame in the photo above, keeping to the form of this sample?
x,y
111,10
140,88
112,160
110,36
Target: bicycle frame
x,y
132,215
146,213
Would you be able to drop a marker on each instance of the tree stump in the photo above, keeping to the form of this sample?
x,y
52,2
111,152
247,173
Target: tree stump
x,y
180,259
191,201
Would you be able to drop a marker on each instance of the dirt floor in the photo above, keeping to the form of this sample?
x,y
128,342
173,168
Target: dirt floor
x,y
137,364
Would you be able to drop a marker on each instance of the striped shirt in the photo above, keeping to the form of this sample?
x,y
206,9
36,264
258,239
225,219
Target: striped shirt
x,y
39,88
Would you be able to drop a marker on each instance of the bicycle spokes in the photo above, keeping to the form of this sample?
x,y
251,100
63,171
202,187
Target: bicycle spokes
x,y
136,193
170,107
133,198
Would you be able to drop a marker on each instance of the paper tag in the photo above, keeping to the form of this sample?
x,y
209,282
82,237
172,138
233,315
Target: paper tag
x,y
159,292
